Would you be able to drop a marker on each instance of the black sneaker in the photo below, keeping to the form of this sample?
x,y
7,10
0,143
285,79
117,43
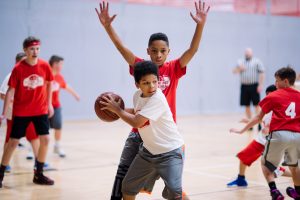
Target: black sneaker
x,y
40,179
276,195
292,193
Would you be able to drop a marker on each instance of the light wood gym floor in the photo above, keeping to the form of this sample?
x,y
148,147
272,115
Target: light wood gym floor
x,y
93,149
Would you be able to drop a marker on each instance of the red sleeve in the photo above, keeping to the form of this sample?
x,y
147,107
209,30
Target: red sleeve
x,y
178,70
266,104
137,59
49,75
13,79
63,83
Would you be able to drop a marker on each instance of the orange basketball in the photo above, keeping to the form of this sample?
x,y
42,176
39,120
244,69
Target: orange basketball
x,y
106,115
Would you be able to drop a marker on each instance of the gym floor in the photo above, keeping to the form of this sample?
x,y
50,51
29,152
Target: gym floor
x,y
93,149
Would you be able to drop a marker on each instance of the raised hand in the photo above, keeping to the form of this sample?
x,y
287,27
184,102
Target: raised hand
x,y
201,12
103,15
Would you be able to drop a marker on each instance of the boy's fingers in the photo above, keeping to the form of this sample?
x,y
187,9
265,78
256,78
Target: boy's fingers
x,y
107,5
101,8
113,17
199,5
207,9
203,7
196,6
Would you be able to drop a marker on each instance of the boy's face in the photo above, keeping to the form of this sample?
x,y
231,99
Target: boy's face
x,y
148,85
158,52
279,83
32,52
57,66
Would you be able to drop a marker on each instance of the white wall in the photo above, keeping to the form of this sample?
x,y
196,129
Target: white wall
x,y
92,65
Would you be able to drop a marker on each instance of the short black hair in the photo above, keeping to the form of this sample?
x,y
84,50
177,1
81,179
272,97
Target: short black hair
x,y
158,36
144,68
286,73
20,56
29,40
271,88
55,59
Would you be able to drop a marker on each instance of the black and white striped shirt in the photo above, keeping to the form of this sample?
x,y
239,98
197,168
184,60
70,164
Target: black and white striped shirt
x,y
253,68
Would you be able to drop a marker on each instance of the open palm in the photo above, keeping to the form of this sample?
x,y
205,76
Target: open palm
x,y
201,12
103,15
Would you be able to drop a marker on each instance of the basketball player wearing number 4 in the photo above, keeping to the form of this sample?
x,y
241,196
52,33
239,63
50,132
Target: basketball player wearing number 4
x,y
284,137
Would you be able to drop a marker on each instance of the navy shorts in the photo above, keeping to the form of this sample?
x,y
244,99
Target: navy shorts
x,y
56,119
20,124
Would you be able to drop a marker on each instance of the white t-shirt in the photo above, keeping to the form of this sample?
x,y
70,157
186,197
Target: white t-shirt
x,y
261,137
160,134
3,90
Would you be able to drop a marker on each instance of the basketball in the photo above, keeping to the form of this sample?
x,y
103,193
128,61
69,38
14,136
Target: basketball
x,y
106,115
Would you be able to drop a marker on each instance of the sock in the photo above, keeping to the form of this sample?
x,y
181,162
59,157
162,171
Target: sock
x,y
241,177
39,167
57,144
297,188
2,169
272,185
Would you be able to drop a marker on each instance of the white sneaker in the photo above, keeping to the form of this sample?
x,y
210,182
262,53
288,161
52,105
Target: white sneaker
x,y
59,151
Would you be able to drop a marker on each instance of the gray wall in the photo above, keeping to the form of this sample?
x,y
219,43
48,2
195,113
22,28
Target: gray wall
x,y
92,65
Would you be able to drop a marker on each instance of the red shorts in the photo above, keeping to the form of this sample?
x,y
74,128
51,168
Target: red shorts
x,y
30,131
251,153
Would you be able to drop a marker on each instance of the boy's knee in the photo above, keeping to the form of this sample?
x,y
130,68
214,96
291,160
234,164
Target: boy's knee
x,y
13,143
44,140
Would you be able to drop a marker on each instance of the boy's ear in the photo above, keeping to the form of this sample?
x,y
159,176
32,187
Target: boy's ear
x,y
137,85
148,51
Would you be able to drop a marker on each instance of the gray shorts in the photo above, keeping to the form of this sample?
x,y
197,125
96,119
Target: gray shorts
x,y
56,119
145,166
282,144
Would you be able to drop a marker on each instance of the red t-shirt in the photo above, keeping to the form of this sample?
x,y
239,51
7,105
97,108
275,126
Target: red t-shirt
x,y
169,75
285,104
58,82
30,97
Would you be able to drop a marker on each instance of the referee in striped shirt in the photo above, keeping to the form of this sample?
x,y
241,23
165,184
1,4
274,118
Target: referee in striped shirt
x,y
252,76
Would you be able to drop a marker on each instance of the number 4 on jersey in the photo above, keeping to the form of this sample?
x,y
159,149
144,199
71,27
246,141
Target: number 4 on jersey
x,y
291,110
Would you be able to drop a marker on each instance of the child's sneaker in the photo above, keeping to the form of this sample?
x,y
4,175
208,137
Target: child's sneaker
x,y
276,195
8,169
240,182
29,155
40,179
59,151
292,193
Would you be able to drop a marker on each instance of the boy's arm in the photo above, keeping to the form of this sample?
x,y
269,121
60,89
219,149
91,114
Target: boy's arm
x,y
72,92
106,21
199,18
49,98
133,120
250,124
9,95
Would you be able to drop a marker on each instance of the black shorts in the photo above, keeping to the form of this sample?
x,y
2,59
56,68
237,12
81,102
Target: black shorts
x,y
20,124
249,94
56,119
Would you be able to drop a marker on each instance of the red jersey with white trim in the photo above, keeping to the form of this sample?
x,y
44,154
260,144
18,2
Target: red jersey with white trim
x,y
57,83
169,75
30,83
285,104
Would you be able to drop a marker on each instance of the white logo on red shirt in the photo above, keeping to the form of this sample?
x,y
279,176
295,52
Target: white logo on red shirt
x,y
33,81
55,86
164,82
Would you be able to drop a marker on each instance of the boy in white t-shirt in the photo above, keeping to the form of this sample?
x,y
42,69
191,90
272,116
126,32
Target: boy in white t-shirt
x,y
162,150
